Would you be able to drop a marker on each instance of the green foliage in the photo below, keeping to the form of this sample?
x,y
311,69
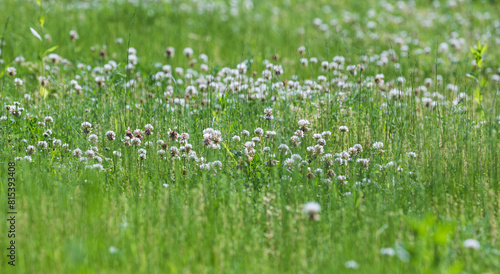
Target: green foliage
x,y
434,183
479,53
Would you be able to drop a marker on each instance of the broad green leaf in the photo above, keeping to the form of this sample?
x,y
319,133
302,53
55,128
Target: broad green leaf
x,y
36,34
2,73
42,21
44,92
484,81
477,96
479,63
50,50
39,2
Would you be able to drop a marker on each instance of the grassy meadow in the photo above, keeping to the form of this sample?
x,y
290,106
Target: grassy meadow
x,y
240,136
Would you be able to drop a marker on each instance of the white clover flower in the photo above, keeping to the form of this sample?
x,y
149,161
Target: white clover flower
x,y
93,138
300,132
191,90
99,80
205,167
388,251
303,123
259,131
236,138
30,150
358,147
343,129
289,162
312,209
325,65
352,69
242,68
217,164
169,52
301,50
188,52
344,154
378,145
318,149
351,264
184,136
11,71
270,134
90,153
283,148
117,153
295,140
110,135
321,142
77,153
304,62
296,158
19,59
135,141
113,250
73,35
42,144
249,144
472,244
278,70
363,161
86,127
137,132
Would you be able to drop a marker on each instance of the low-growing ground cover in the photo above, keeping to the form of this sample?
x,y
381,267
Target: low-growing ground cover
x,y
250,136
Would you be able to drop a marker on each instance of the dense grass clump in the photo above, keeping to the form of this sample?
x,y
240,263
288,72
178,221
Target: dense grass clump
x,y
251,136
